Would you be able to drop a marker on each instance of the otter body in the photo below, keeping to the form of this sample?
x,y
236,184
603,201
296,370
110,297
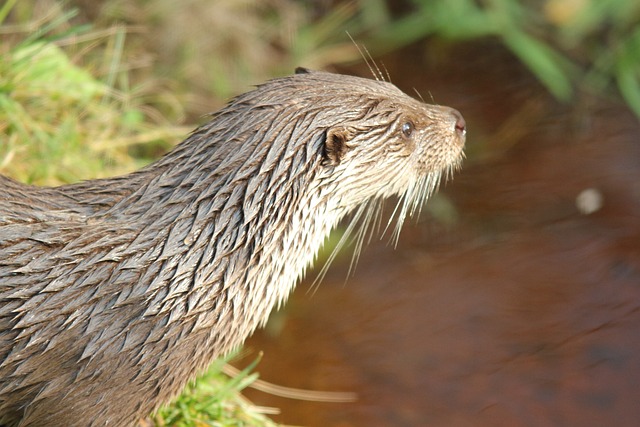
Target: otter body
x,y
115,292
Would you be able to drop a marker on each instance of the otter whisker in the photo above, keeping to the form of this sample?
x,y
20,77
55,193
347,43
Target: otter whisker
x,y
368,224
413,200
360,230
396,213
344,240
386,71
369,61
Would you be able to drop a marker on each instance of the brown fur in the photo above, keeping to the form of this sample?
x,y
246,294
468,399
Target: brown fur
x,y
115,292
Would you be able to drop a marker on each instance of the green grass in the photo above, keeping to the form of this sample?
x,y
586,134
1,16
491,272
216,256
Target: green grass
x,y
214,400
62,121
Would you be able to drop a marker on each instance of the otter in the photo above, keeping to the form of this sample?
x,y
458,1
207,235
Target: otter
x,y
115,292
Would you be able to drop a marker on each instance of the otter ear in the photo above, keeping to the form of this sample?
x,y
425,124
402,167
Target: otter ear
x,y
336,144
302,70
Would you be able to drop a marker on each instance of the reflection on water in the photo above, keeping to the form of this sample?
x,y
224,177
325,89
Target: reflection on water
x,y
525,312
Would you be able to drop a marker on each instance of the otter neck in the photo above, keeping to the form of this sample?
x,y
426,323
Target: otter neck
x,y
224,234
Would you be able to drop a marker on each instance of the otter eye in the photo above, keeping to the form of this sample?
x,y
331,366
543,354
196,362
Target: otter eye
x,y
407,129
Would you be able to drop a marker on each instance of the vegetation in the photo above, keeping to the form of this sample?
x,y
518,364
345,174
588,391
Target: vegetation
x,y
569,45
62,122
214,400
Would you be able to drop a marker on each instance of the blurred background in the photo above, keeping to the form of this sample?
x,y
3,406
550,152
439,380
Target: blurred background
x,y
513,300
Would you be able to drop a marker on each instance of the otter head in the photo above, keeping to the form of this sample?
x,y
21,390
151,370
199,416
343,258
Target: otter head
x,y
377,141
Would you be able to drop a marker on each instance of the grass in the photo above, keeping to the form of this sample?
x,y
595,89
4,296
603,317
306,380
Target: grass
x,y
61,122
214,400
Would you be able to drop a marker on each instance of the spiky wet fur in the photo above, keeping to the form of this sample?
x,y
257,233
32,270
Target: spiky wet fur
x,y
115,292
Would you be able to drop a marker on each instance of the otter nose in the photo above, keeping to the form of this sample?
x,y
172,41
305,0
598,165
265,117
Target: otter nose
x,y
460,125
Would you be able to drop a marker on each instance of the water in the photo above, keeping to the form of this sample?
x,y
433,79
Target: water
x,y
524,311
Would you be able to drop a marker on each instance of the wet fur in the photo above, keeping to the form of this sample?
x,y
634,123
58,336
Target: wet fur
x,y
115,292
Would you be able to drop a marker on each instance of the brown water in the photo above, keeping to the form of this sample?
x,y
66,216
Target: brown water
x,y
522,312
